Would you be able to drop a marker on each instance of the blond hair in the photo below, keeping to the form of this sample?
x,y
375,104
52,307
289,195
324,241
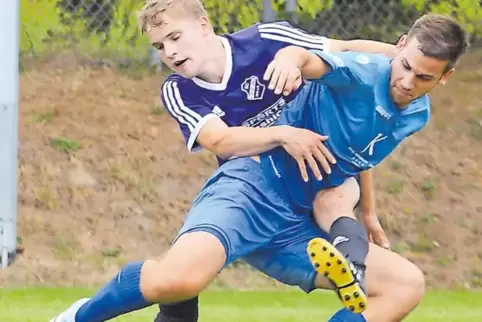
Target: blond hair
x,y
151,13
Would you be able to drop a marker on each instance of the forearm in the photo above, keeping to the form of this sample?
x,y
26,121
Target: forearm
x,y
367,46
311,66
243,141
368,193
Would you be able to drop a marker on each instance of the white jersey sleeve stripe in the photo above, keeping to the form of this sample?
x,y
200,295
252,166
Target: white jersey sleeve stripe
x,y
312,40
292,35
289,31
176,106
183,107
301,43
172,106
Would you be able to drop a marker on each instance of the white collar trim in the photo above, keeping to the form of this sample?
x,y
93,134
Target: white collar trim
x,y
227,72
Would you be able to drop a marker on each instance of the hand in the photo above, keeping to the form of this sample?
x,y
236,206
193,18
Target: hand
x,y
284,74
376,234
306,146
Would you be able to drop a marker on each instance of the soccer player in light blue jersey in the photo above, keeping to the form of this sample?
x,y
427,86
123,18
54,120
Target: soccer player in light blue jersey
x,y
240,213
367,104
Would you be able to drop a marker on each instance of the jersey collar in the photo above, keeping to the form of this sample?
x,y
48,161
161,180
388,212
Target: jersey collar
x,y
227,72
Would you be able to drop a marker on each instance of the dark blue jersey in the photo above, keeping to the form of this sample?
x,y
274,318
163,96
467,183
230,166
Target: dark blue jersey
x,y
242,98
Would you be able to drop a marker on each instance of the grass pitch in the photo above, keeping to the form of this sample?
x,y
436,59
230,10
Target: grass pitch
x,y
41,304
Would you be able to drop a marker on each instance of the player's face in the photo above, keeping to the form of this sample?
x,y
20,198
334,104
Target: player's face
x,y
180,41
413,74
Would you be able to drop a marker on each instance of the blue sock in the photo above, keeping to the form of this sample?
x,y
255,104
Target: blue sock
x,y
345,315
121,295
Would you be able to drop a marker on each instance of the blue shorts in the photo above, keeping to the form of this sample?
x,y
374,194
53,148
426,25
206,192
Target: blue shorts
x,y
255,223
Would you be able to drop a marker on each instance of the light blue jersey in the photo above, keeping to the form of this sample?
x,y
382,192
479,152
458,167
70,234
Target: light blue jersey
x,y
254,210
352,105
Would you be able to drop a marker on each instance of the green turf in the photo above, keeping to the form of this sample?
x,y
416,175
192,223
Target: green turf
x,y
30,304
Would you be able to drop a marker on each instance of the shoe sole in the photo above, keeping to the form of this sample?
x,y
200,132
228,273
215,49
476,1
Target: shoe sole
x,y
329,262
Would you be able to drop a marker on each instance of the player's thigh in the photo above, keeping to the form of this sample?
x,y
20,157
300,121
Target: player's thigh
x,y
340,198
387,272
286,259
238,208
333,203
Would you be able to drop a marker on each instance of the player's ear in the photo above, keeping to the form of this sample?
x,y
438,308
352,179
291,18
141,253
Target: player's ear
x,y
401,42
445,77
205,25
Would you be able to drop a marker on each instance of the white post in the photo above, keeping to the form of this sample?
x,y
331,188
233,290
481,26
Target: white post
x,y
290,9
154,59
9,74
269,14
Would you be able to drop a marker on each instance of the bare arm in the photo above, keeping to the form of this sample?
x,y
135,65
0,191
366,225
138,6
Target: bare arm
x,y
360,45
237,141
292,64
310,65
304,146
376,234
368,193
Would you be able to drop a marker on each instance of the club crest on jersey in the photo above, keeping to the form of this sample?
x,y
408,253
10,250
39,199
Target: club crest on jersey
x,y
253,88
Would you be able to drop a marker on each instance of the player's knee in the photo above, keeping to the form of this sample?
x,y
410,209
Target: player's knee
x,y
410,287
186,286
175,287
160,283
416,283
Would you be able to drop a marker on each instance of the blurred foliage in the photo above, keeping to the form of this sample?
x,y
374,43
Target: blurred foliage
x,y
101,27
467,12
109,27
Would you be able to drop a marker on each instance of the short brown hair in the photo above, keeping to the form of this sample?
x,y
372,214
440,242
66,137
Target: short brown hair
x,y
440,37
151,13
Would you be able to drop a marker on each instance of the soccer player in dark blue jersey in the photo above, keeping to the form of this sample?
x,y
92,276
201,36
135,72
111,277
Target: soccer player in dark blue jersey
x,y
273,250
221,102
